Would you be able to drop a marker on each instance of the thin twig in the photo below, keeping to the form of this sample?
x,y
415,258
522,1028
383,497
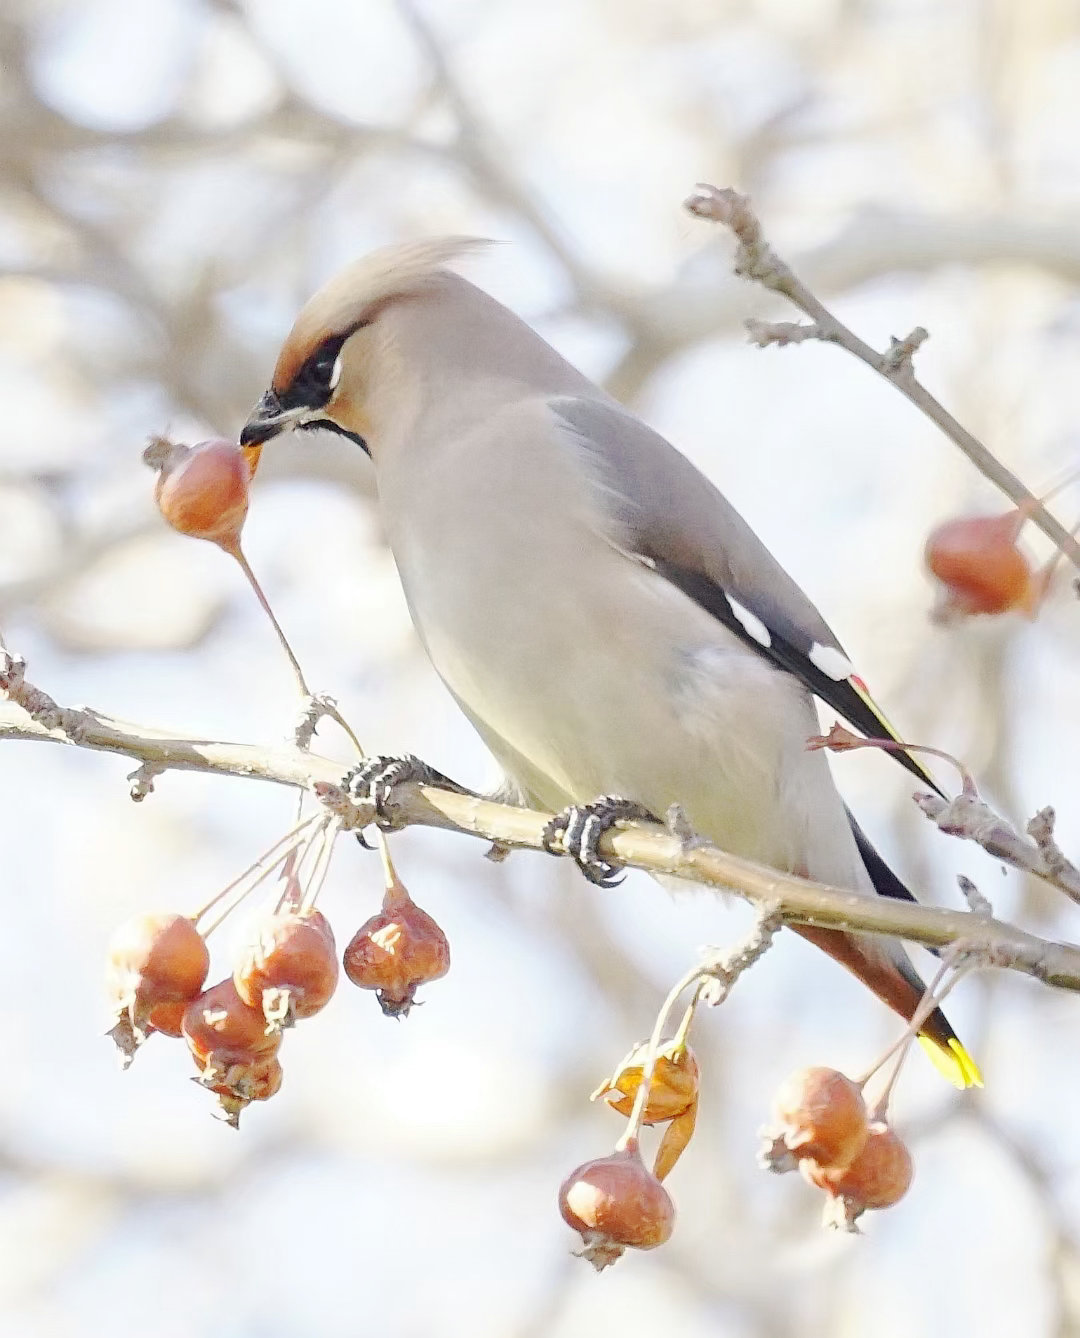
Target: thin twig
x,y
756,260
970,817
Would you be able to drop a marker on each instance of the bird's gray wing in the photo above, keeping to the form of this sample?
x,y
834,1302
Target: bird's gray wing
x,y
668,514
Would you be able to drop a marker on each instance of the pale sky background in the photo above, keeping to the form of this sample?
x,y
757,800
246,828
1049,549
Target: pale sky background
x,y
175,179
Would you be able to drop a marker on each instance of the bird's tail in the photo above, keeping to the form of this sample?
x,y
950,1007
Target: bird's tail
x,y
937,1038
896,982
947,1053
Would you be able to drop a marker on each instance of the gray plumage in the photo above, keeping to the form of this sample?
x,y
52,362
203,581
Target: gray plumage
x,y
601,613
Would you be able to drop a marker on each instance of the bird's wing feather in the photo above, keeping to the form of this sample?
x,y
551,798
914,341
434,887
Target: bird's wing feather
x,y
668,514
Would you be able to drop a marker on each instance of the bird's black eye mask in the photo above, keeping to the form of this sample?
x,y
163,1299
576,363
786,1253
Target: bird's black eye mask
x,y
311,390
315,381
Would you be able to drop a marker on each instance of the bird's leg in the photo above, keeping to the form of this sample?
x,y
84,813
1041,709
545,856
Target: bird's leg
x,y
577,830
373,780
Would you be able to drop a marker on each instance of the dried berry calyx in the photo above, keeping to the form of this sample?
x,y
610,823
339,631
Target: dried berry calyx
x,y
877,1178
616,1202
202,490
820,1114
396,951
288,969
237,1086
155,963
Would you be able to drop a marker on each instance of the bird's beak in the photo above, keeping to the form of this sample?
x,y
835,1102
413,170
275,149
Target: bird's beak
x,y
268,418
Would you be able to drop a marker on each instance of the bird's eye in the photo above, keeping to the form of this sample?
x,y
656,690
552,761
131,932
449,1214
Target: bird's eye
x,y
322,370
324,365
317,378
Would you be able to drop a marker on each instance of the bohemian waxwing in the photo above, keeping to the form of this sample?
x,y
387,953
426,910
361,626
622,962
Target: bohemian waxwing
x,y
606,620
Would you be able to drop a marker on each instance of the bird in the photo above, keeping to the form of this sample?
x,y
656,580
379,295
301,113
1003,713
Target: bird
x,y
604,617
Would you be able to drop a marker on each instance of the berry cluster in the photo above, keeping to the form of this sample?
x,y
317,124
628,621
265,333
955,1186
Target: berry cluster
x,y
286,971
824,1128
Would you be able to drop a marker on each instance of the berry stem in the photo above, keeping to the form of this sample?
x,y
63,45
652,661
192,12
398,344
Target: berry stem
x,y
234,550
1040,581
841,740
338,718
678,1041
1071,477
255,873
327,707
330,834
305,878
396,894
901,1047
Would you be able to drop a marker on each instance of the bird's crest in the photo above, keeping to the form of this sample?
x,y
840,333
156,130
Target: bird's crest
x,y
353,296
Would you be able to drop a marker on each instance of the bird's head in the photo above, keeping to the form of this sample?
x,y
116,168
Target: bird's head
x,y
332,364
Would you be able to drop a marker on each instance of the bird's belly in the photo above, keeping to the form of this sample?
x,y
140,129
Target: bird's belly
x,y
624,686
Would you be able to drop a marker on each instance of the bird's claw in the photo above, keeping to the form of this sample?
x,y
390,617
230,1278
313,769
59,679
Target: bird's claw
x,y
577,831
374,780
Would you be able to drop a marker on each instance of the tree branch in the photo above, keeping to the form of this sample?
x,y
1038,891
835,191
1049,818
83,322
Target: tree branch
x,y
29,714
756,260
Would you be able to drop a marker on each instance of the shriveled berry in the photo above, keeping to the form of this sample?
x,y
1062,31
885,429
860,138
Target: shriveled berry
x,y
239,1085
222,1031
672,1099
674,1086
878,1177
202,490
154,960
396,951
615,1202
289,967
977,560
820,1114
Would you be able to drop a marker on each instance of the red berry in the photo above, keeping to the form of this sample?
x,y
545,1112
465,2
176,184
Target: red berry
x,y
289,968
154,961
396,951
222,1031
157,959
820,1115
980,566
878,1177
615,1202
167,1018
202,490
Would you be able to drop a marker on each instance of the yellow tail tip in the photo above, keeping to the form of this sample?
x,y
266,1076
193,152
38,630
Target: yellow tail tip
x,y
952,1062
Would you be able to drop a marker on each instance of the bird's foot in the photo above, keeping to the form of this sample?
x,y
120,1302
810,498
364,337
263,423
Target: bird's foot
x,y
374,780
577,830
